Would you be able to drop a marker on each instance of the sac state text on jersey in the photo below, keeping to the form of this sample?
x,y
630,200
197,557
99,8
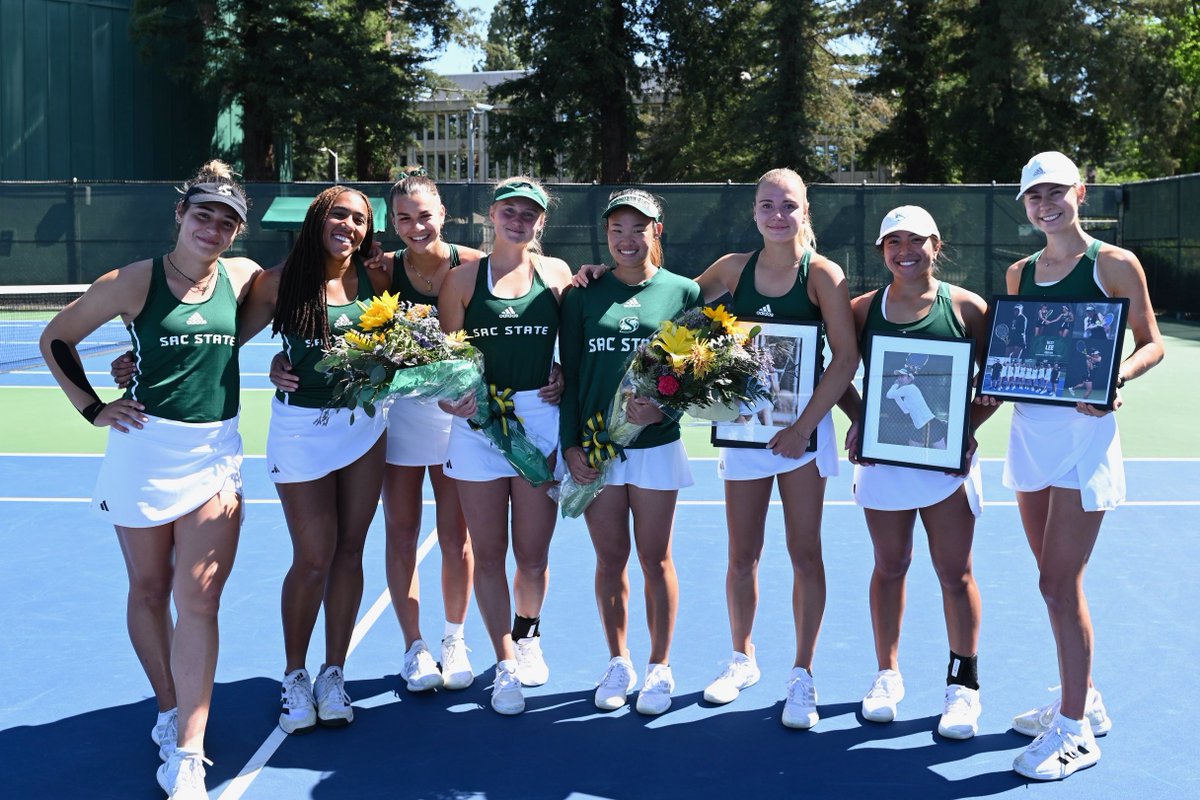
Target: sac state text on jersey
x,y
189,339
509,330
614,344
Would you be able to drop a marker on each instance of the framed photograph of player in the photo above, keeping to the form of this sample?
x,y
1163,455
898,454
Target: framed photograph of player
x,y
916,400
795,349
1054,350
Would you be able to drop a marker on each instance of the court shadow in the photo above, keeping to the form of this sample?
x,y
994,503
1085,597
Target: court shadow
x,y
107,752
447,745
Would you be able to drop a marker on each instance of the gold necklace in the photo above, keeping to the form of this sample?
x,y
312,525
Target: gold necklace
x,y
412,268
198,285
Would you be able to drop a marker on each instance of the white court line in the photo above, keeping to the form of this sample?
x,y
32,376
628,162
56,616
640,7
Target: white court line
x,y
254,767
56,388
106,374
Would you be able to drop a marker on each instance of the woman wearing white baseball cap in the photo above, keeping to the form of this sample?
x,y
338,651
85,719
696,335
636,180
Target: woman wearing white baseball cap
x,y
892,497
1065,464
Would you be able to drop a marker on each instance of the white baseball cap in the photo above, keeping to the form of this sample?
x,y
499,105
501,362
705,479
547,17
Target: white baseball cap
x,y
1049,167
912,219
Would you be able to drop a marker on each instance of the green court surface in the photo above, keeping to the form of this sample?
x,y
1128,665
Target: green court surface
x,y
1154,422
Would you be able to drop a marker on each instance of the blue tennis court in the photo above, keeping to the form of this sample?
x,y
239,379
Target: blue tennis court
x,y
77,709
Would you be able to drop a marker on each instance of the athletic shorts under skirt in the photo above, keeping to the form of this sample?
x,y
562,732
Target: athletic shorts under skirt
x,y
664,467
1058,446
747,463
471,456
167,469
299,450
418,433
887,487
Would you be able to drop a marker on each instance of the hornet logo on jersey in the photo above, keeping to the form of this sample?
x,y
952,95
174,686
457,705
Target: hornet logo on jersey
x,y
343,322
765,311
629,324
509,313
196,319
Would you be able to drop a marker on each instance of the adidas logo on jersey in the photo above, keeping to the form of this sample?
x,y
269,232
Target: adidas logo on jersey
x,y
765,311
274,469
104,505
632,303
343,322
196,319
509,313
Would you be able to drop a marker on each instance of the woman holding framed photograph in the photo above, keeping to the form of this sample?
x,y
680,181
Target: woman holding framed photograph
x,y
1065,463
784,281
892,497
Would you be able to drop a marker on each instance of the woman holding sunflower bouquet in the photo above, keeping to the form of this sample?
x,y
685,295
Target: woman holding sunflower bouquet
x,y
601,328
327,463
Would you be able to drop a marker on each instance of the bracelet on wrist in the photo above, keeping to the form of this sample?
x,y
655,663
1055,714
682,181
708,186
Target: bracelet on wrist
x,y
92,411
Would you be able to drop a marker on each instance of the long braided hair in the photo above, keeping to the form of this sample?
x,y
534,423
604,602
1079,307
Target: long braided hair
x,y
300,308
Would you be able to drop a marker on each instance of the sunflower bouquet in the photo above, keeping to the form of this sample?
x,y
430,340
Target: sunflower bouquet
x,y
400,350
701,363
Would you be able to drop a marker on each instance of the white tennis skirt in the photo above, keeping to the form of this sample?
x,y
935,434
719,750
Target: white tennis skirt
x,y
471,456
887,487
751,463
166,469
418,433
300,448
1058,446
664,467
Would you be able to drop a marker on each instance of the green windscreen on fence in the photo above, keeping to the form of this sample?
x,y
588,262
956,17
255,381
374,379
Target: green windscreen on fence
x,y
73,232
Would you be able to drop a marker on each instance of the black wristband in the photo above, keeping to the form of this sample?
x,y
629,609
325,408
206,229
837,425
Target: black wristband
x,y
91,412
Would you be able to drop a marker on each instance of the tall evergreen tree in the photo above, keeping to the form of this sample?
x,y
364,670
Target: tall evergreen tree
x,y
746,85
911,41
342,73
507,44
577,103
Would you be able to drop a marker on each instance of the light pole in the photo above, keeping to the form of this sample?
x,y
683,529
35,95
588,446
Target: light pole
x,y
335,163
477,110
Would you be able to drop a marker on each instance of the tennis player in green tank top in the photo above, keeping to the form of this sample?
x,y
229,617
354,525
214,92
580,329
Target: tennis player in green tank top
x,y
328,476
1060,526
892,497
177,543
514,271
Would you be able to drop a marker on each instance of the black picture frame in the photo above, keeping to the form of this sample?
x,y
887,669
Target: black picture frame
x,y
916,400
1069,355
795,348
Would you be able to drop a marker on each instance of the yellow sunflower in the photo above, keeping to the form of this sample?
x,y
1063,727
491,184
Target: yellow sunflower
x,y
719,315
379,311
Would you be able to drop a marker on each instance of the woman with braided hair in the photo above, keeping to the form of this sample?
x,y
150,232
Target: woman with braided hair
x,y
327,464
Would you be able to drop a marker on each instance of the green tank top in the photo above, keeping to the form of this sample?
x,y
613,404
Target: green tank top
x,y
404,287
795,306
314,390
1080,282
186,353
515,336
940,321
602,327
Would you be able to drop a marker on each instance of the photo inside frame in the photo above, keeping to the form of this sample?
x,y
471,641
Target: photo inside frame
x,y
789,385
1054,351
915,401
